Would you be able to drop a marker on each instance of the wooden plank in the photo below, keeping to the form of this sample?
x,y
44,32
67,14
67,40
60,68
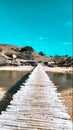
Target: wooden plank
x,y
36,106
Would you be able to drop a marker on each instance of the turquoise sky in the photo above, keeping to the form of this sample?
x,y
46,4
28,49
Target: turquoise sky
x,y
46,25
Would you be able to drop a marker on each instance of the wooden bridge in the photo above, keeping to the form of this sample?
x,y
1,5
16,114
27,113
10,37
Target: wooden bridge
x,y
36,106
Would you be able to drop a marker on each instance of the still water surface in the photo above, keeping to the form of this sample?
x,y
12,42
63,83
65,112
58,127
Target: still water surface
x,y
62,81
9,78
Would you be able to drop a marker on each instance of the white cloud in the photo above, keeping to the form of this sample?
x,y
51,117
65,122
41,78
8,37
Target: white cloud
x,y
41,38
65,43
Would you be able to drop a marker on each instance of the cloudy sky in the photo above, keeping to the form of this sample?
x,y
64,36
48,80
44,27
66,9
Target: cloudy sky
x,y
46,25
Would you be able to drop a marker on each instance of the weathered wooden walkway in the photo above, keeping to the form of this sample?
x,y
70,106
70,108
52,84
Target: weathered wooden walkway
x,y
36,106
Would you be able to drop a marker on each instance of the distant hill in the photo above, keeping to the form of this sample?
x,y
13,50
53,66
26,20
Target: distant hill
x,y
27,53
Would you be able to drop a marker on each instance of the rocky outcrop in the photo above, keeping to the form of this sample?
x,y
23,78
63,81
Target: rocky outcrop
x,y
28,53
21,53
65,61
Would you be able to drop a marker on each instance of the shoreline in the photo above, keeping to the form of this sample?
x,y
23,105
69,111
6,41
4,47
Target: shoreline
x,y
46,68
2,93
58,69
16,68
67,95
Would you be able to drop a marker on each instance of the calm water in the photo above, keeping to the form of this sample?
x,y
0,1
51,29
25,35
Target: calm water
x,y
9,78
62,81
10,82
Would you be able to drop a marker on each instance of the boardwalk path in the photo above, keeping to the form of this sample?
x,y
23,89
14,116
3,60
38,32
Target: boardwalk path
x,y
36,106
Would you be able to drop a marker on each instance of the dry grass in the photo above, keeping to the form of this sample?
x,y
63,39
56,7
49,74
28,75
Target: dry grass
x,y
2,59
68,95
2,92
38,57
10,49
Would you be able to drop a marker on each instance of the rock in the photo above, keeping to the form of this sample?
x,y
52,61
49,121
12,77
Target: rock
x,y
63,61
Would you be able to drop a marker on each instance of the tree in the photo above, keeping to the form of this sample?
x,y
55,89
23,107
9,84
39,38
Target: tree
x,y
27,48
41,53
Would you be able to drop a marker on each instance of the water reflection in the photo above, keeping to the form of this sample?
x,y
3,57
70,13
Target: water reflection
x,y
12,89
9,78
62,81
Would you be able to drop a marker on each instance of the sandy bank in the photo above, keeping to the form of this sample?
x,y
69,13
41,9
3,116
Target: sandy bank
x,y
59,69
2,92
17,68
67,94
48,69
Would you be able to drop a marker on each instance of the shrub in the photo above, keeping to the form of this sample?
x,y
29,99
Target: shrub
x,y
27,48
41,53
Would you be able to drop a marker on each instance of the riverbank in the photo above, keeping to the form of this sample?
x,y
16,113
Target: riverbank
x,y
67,94
16,68
46,68
59,69
2,92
